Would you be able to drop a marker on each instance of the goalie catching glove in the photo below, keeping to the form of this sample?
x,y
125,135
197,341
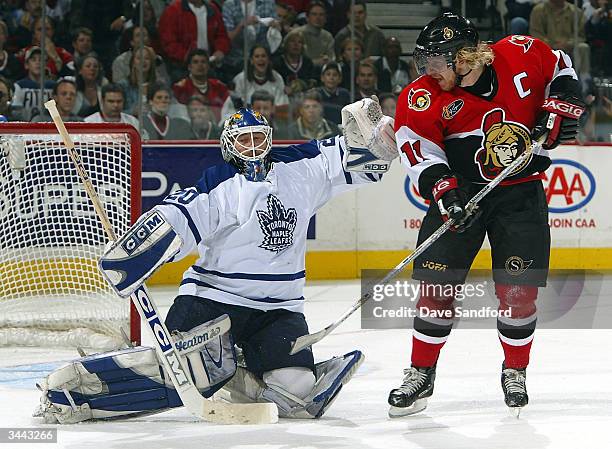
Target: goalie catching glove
x,y
558,122
369,136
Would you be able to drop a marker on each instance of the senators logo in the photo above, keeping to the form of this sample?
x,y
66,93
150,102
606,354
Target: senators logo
x,y
503,142
522,41
448,33
419,99
450,110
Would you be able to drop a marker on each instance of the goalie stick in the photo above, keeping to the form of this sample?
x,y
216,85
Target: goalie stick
x,y
198,405
310,339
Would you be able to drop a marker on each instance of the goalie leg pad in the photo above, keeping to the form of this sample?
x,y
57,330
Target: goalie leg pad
x,y
147,245
123,383
331,375
132,382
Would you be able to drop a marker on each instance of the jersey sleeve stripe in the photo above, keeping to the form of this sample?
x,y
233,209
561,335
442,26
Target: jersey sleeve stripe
x,y
190,222
266,300
253,276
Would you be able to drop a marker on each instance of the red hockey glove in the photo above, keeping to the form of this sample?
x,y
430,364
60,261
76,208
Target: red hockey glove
x,y
558,121
451,203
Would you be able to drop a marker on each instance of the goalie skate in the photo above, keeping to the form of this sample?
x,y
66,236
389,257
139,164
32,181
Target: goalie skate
x,y
411,397
515,390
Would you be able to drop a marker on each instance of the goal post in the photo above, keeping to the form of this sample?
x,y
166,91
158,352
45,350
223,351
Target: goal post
x,y
51,292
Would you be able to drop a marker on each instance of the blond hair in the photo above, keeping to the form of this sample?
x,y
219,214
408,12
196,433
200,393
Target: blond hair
x,y
476,57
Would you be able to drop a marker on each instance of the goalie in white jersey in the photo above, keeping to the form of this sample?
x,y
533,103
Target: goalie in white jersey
x,y
248,219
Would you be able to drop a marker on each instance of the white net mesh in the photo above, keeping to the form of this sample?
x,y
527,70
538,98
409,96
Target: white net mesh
x,y
51,292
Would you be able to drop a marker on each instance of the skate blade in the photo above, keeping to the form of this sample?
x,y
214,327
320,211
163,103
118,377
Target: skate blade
x,y
515,411
418,406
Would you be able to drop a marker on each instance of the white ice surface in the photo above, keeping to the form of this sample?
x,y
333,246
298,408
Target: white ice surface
x,y
569,382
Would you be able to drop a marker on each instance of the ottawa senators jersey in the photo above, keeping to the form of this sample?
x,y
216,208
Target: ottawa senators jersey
x,y
474,136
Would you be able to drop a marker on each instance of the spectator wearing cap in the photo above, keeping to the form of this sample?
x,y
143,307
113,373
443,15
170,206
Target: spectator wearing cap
x,y
393,73
64,94
203,120
372,37
297,69
310,123
26,99
10,66
334,97
82,39
57,58
366,80
157,123
318,42
198,83
188,24
242,21
111,110
89,80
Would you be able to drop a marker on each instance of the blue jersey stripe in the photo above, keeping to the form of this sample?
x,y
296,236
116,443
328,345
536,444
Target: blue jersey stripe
x,y
267,300
347,176
253,276
190,222
295,153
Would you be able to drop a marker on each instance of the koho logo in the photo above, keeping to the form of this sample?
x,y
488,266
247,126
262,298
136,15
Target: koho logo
x,y
569,186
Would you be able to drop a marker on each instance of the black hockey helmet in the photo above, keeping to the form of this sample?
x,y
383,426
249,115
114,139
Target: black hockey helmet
x,y
444,36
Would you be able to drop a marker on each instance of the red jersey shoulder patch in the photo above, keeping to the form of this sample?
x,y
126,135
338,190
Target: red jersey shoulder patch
x,y
419,99
522,41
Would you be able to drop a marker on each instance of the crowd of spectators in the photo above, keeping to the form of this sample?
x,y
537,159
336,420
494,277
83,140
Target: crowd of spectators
x,y
182,68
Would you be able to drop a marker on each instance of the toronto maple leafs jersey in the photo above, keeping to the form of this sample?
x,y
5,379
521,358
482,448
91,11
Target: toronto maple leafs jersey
x,y
251,236
474,136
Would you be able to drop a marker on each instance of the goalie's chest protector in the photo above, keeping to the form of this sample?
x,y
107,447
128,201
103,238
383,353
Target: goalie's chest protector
x,y
255,255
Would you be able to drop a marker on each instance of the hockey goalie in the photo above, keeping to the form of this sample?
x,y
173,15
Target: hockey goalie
x,y
241,304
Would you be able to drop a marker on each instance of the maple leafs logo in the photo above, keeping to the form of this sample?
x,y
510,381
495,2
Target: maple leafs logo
x,y
277,225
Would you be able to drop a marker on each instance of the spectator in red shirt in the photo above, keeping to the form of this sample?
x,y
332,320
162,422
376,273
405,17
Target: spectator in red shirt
x,y
179,31
198,83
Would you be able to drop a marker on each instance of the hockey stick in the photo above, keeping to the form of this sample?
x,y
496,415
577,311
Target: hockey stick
x,y
198,405
310,339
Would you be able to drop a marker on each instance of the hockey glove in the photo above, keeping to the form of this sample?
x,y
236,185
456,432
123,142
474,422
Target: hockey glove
x,y
451,203
558,121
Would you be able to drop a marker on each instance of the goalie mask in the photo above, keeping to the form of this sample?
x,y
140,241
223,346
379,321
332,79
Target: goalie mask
x,y
439,42
246,142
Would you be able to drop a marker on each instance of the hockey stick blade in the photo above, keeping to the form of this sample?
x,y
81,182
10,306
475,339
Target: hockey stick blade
x,y
198,405
305,341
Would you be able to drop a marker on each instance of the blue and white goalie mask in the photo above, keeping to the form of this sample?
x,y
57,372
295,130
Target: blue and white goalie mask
x,y
246,142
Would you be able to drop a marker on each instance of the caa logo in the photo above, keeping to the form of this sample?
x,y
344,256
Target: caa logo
x,y
569,186
414,197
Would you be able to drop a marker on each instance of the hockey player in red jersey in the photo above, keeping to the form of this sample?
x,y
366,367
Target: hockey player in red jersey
x,y
475,109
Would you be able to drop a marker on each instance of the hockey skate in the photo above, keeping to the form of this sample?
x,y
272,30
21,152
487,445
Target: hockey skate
x,y
515,391
411,396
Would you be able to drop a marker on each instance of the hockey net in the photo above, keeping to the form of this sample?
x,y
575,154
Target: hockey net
x,y
51,292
